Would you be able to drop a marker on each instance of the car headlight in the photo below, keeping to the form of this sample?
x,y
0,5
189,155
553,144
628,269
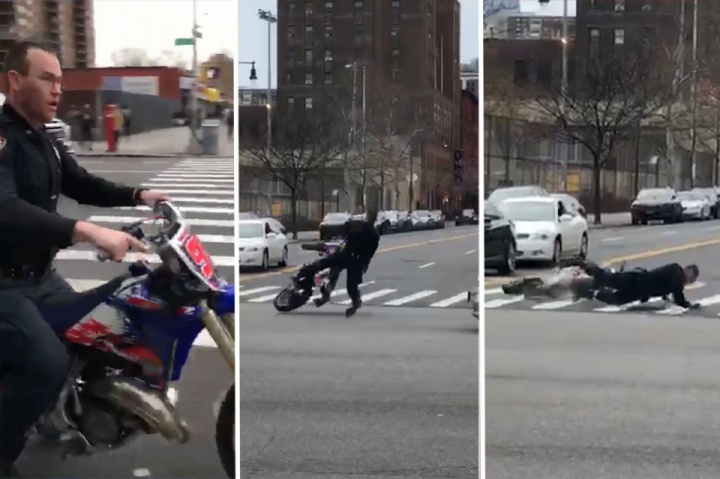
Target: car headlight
x,y
541,235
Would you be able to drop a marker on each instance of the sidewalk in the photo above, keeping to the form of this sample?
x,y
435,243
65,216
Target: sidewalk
x,y
610,220
168,142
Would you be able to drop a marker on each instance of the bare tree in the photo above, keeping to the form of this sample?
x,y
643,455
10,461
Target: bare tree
x,y
613,96
304,147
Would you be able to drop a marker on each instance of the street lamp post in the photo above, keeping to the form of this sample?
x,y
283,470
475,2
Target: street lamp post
x,y
194,141
268,16
353,114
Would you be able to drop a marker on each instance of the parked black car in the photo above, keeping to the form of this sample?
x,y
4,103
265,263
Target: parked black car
x,y
500,246
714,198
466,217
656,204
333,225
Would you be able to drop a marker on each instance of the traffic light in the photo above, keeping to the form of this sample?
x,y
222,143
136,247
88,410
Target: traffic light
x,y
253,72
458,167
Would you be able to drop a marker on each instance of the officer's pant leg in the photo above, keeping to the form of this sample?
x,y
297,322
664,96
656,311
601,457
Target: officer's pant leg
x,y
354,278
33,365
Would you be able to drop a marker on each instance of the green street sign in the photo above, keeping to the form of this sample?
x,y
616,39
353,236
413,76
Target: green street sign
x,y
184,41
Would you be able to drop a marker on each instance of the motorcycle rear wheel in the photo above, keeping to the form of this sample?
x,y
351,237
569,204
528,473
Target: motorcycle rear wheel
x,y
226,433
289,300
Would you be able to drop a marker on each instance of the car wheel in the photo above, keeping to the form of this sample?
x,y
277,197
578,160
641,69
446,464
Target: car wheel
x,y
584,246
635,221
265,261
557,251
508,266
284,260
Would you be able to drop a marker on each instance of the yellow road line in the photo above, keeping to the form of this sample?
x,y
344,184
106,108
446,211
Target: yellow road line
x,y
292,269
660,252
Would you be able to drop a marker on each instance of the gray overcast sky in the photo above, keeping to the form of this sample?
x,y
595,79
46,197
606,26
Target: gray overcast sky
x,y
253,38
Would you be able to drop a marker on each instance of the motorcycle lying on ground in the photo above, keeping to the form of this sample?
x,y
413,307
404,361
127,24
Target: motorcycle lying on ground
x,y
130,337
563,282
301,288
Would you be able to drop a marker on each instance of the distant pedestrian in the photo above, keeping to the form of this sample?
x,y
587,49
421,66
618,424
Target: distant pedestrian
x,y
118,128
87,123
230,122
127,116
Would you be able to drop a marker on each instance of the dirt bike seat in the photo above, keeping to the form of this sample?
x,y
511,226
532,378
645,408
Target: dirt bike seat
x,y
63,311
319,246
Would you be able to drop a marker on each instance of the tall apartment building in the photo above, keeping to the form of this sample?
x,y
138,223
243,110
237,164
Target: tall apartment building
x,y
66,26
414,43
529,27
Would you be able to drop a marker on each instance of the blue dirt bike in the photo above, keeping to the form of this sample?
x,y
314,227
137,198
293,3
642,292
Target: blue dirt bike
x,y
129,339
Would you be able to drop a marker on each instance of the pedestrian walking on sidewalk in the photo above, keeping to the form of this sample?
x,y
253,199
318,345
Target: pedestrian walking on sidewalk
x,y
127,116
87,123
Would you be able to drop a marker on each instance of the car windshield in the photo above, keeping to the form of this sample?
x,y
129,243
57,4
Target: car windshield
x,y
422,214
247,215
250,230
688,196
654,195
528,210
502,194
335,218
468,212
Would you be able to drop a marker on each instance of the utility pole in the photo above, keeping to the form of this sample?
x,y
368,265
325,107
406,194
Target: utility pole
x,y
693,171
364,132
194,116
564,90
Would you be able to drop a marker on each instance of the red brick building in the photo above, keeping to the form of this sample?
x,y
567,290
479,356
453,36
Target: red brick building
x,y
469,128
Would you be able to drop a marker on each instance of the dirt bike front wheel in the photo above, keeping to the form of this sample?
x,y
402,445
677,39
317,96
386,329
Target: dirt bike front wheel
x,y
289,300
226,433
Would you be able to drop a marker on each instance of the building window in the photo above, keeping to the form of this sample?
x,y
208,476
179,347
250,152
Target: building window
x,y
395,35
358,30
594,41
328,17
395,3
619,5
328,6
291,103
309,9
328,56
396,64
619,36
520,74
328,78
544,74
308,31
358,3
308,56
292,6
396,52
291,59
290,32
328,31
328,68
396,12
308,103
308,78
358,16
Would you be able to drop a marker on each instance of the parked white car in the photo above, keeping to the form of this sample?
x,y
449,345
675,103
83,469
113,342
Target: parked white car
x,y
261,244
57,129
695,205
545,230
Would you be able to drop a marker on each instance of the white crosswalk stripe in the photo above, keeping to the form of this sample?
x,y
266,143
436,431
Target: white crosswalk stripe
x,y
699,293
203,191
372,295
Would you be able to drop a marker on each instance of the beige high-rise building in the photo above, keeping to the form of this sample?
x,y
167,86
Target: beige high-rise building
x,y
65,25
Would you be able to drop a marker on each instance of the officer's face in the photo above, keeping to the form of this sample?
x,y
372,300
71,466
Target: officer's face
x,y
38,92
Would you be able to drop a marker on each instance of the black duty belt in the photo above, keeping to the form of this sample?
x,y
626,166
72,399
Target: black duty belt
x,y
25,272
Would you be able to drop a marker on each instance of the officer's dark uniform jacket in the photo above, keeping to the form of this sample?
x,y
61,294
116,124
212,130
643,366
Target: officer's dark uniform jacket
x,y
34,171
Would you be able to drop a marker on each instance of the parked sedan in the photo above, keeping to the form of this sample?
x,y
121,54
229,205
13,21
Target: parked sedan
x,y
500,244
545,230
421,220
713,197
438,219
260,245
695,206
656,204
466,217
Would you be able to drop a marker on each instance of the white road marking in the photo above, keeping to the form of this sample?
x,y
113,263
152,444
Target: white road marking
x,y
185,209
373,295
190,221
450,301
613,239
564,303
340,292
190,180
668,233
427,265
471,251
189,199
493,291
198,175
248,292
624,307
262,299
172,191
708,301
87,255
163,184
141,472
499,303
412,297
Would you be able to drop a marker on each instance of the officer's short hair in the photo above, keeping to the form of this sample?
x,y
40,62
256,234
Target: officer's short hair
x,y
16,57
694,269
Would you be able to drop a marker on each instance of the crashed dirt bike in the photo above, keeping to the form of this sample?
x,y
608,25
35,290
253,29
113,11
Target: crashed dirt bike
x,y
130,338
563,282
301,288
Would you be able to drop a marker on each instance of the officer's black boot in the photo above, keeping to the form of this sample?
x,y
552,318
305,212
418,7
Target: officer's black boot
x,y
324,298
353,309
8,469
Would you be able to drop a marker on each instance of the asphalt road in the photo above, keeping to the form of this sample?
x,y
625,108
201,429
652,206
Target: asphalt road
x,y
601,397
419,269
390,393
187,181
645,246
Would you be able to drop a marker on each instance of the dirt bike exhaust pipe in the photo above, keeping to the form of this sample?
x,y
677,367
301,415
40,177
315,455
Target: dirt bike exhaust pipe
x,y
144,402
219,332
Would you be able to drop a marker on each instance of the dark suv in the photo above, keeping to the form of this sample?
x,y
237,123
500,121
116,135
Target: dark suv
x,y
500,246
